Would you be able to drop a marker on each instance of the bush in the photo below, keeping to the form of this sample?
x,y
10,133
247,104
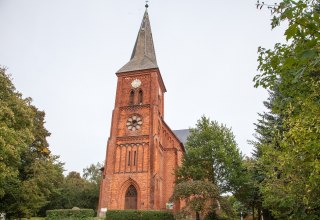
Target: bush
x,y
60,214
214,216
138,215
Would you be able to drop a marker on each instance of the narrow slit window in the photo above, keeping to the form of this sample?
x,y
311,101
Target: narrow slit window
x,y
140,99
131,98
135,158
129,157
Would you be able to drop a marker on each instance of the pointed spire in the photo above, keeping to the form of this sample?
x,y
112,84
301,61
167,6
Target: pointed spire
x,y
143,54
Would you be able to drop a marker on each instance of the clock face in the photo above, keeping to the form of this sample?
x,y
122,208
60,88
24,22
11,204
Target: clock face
x,y
136,83
134,123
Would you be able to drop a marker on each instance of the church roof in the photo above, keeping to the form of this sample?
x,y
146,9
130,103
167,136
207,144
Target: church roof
x,y
143,54
182,135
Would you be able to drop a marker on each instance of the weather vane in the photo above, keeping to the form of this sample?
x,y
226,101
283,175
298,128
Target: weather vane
x,y
147,5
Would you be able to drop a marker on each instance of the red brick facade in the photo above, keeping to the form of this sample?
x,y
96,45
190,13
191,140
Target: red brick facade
x,y
144,158
142,151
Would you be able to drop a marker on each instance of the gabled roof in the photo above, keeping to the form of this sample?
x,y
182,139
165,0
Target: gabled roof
x,y
143,54
182,135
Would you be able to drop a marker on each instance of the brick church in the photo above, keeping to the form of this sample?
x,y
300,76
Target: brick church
x,y
142,150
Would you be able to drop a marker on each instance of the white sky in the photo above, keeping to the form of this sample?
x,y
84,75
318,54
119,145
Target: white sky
x,y
64,54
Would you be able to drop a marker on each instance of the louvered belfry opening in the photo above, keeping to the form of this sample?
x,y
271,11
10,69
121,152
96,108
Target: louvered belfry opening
x,y
131,198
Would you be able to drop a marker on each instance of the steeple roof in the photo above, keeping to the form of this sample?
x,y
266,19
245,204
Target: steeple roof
x,y
143,54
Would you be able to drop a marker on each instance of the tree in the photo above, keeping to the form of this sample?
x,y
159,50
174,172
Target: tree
x,y
289,143
15,134
198,195
78,192
212,157
28,172
299,56
251,194
93,173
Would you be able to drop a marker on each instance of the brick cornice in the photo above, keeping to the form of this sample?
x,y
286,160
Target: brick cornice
x,y
134,107
133,138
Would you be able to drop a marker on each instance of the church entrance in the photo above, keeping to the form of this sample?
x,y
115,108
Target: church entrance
x,y
131,198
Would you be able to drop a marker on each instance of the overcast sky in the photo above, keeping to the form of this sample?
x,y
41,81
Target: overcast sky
x,y
64,54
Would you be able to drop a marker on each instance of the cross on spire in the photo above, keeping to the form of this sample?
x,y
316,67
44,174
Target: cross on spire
x,y
147,5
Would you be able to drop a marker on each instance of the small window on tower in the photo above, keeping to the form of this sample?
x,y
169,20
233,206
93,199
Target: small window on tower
x,y
131,99
135,158
129,157
140,97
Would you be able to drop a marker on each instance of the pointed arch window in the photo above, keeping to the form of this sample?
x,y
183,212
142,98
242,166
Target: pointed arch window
x,y
131,98
131,192
140,97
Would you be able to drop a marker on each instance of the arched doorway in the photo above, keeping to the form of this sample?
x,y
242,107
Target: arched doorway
x,y
131,198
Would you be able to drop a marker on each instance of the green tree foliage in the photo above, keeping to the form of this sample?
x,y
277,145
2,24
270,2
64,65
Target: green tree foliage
x,y
93,176
198,195
212,154
299,57
93,173
77,191
288,144
212,158
249,196
29,174
15,134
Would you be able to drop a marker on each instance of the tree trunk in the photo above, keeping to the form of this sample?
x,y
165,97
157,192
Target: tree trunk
x,y
259,213
267,215
253,212
197,216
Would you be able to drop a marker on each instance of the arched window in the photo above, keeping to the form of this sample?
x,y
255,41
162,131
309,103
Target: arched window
x,y
129,159
140,98
131,198
131,99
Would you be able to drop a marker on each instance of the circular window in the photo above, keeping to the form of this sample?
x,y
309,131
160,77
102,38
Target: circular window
x,y
134,123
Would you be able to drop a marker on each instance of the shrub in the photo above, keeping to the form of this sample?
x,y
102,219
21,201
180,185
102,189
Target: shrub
x,y
214,216
138,215
71,214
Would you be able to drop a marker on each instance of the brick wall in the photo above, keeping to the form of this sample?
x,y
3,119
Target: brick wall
x,y
145,158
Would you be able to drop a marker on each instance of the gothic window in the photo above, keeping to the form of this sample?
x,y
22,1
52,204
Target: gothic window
x,y
131,98
140,97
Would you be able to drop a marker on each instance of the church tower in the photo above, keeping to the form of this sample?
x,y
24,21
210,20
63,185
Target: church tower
x,y
142,151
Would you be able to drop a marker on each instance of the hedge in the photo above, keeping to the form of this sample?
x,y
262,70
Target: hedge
x,y
138,215
60,214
